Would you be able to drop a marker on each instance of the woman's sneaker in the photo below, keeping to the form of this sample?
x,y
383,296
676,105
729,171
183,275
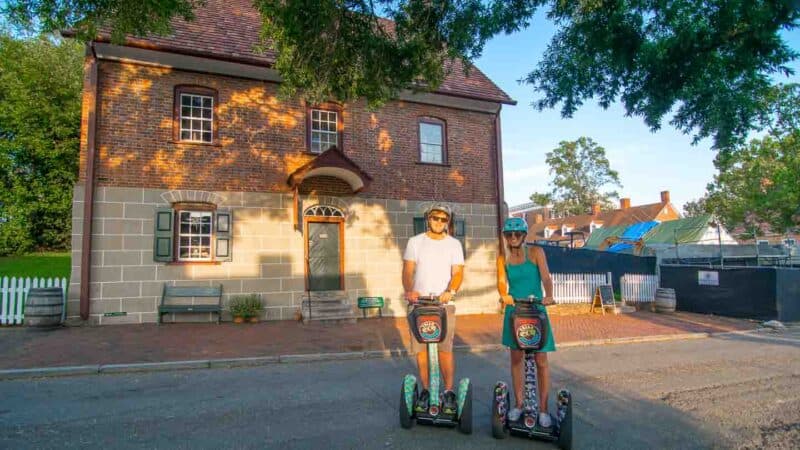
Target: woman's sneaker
x,y
422,401
450,406
514,414
544,420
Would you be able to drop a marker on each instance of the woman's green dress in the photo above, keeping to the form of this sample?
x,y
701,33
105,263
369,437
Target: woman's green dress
x,y
524,280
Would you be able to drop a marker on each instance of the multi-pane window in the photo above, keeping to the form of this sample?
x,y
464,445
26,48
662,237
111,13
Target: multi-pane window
x,y
197,116
194,235
431,142
324,130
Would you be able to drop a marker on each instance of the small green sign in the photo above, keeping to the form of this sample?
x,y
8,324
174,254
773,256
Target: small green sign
x,y
114,314
370,302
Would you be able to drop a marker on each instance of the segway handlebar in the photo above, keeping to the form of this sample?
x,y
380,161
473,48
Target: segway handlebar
x,y
529,300
428,300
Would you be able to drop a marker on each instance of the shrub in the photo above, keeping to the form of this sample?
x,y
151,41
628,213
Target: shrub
x,y
246,306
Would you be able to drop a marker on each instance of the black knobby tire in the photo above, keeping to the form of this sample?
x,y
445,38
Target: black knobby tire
x,y
499,431
406,419
565,429
465,421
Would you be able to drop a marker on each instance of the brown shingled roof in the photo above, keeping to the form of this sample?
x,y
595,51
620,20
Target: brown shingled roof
x,y
229,30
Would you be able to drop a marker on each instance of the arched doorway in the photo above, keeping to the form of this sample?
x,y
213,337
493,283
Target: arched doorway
x,y
324,248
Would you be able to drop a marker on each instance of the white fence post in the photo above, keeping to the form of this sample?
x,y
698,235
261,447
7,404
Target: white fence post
x,y
638,287
577,287
14,291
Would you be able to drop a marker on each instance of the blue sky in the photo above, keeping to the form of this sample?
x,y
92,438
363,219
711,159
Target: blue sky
x,y
647,162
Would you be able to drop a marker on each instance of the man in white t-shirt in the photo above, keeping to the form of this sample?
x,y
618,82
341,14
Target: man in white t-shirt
x,y
433,263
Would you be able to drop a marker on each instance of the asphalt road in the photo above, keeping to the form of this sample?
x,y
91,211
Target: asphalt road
x,y
735,391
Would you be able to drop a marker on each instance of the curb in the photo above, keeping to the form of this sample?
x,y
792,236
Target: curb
x,y
102,369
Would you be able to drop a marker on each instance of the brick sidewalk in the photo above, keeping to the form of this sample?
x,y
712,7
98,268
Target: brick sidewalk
x,y
25,348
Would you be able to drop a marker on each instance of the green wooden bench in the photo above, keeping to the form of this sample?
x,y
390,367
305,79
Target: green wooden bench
x,y
188,292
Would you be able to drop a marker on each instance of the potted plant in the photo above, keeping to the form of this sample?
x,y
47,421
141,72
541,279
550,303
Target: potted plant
x,y
246,308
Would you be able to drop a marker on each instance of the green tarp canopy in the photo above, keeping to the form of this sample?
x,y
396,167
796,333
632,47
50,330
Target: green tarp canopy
x,y
599,235
683,231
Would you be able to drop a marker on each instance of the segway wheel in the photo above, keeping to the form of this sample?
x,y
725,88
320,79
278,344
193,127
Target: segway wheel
x,y
565,429
406,411
499,430
465,420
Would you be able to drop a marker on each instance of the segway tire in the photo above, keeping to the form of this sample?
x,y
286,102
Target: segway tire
x,y
565,429
499,430
465,420
406,418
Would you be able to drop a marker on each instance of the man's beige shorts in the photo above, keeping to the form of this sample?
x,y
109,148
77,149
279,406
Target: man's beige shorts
x,y
447,344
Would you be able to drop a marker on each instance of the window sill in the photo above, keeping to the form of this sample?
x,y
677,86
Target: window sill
x,y
309,152
423,163
206,144
195,263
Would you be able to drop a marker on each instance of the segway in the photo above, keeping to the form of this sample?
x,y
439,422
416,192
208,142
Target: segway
x,y
530,332
428,324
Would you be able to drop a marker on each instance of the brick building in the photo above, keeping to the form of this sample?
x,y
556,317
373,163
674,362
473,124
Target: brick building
x,y
199,174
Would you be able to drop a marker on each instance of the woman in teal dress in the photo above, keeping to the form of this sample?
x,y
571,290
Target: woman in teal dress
x,y
521,273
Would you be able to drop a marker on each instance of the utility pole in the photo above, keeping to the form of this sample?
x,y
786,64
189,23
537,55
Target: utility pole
x,y
719,238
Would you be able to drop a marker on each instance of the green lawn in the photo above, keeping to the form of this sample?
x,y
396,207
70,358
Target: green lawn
x,y
36,265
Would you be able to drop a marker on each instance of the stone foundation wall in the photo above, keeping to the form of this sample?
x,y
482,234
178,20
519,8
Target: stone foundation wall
x,y
268,253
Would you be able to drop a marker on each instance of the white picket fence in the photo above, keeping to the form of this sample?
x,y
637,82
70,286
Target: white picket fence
x,y
14,291
577,287
638,288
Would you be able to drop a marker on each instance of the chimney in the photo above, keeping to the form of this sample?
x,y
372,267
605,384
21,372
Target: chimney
x,y
624,203
664,196
538,218
595,209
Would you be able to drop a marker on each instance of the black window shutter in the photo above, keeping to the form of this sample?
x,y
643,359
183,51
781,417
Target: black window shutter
x,y
419,225
163,235
223,242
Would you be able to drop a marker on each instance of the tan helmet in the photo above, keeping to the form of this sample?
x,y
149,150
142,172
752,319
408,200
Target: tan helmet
x,y
440,207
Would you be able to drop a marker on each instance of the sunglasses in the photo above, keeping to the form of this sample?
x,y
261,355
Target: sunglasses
x,y
440,219
515,234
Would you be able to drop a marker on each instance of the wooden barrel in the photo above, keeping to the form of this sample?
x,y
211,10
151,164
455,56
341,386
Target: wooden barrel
x,y
665,300
43,307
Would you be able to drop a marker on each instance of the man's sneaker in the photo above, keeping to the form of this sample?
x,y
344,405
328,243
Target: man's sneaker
x,y
450,406
422,401
514,414
544,420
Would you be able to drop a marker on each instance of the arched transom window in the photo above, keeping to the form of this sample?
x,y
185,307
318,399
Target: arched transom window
x,y
323,211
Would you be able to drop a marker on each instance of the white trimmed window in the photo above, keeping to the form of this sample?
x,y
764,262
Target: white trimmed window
x,y
431,141
593,226
790,242
324,130
194,235
197,118
548,232
565,229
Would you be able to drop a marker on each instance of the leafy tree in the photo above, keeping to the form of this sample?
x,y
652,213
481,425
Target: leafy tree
x,y
580,170
704,63
695,208
758,182
40,110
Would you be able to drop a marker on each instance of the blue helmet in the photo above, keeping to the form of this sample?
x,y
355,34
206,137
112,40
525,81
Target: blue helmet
x,y
515,224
